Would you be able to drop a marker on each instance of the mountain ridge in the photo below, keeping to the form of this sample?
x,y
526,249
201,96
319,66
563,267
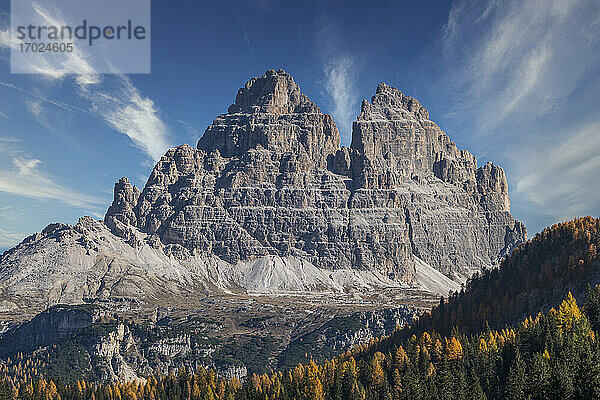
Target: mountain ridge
x,y
270,202
282,152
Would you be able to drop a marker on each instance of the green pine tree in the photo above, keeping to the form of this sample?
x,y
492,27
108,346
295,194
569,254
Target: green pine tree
x,y
515,385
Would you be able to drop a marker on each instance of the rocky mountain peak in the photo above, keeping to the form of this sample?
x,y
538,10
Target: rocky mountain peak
x,y
271,113
389,103
274,92
493,186
399,143
125,199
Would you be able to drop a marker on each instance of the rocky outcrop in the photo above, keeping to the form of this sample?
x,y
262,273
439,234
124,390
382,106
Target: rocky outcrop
x,y
97,343
115,355
120,214
269,178
109,347
270,203
48,327
271,112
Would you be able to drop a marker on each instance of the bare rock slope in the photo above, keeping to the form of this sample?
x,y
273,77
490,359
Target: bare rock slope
x,y
269,178
269,202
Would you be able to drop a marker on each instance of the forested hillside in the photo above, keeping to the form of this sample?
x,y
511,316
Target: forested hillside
x,y
550,356
536,276
471,347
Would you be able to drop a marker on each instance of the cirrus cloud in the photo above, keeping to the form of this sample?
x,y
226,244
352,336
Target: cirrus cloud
x,y
524,77
112,98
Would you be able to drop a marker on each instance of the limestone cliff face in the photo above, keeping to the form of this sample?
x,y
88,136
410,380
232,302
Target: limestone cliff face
x,y
396,143
126,196
50,326
270,112
269,178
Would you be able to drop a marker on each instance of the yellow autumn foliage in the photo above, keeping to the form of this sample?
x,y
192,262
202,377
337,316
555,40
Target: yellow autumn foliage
x,y
568,313
454,349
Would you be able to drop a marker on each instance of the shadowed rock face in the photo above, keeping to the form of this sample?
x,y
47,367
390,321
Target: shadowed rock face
x,y
269,178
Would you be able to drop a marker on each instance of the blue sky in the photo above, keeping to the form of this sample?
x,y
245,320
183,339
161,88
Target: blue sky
x,y
514,82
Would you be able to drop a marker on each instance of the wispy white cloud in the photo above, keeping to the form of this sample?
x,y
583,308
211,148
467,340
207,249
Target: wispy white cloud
x,y
35,108
127,111
523,76
76,64
112,98
25,176
340,68
563,179
5,38
8,213
192,131
36,96
339,75
26,179
247,42
9,239
518,58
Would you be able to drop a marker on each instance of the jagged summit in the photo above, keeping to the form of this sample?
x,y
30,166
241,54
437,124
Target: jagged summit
x,y
390,103
271,113
274,92
125,196
394,133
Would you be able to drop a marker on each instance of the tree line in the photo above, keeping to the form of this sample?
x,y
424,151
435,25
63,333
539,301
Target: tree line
x,y
470,347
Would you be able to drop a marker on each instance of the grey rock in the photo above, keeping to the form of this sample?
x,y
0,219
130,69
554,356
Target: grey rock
x,y
48,327
270,203
125,198
270,178
271,112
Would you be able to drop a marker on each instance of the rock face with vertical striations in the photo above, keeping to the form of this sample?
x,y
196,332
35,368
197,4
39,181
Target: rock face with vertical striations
x,y
270,203
269,178
267,204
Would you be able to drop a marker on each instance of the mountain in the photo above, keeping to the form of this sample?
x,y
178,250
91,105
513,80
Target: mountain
x,y
269,179
269,202
265,237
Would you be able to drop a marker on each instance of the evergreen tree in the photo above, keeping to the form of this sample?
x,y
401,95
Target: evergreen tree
x,y
474,391
515,386
539,376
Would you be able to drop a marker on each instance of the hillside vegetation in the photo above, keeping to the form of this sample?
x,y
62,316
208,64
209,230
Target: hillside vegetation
x,y
471,347
550,356
536,275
